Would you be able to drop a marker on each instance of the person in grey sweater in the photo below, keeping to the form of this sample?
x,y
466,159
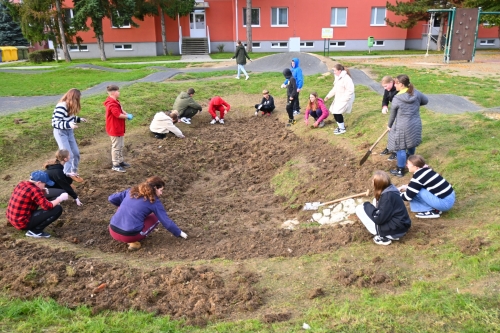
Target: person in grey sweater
x,y
405,125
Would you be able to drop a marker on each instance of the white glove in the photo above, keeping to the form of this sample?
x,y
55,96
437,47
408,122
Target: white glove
x,y
384,110
184,235
283,85
78,202
63,197
73,125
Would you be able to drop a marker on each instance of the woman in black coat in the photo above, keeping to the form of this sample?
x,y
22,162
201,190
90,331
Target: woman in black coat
x,y
62,183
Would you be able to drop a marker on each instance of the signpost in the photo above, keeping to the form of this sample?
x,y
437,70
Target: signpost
x,y
326,34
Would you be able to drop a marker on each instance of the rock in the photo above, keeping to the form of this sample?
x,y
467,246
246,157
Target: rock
x,y
346,222
349,206
337,208
337,217
317,216
324,220
326,212
290,224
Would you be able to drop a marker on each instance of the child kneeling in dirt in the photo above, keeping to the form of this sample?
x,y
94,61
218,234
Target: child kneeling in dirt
x,y
266,105
163,123
139,212
218,104
317,109
388,220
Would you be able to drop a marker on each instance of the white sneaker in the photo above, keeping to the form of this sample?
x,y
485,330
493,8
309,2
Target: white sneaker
x,y
186,120
338,131
321,124
214,121
247,77
237,78
296,112
221,121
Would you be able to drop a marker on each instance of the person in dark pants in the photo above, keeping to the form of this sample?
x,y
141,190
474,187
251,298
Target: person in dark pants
x,y
291,95
389,92
62,183
299,79
266,105
317,109
186,106
23,212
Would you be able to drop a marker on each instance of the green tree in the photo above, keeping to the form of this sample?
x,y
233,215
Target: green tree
x,y
10,31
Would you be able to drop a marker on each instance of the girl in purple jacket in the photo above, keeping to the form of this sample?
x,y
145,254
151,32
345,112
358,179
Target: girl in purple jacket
x,y
139,212
317,109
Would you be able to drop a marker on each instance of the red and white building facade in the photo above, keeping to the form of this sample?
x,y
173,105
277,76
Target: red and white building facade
x,y
273,24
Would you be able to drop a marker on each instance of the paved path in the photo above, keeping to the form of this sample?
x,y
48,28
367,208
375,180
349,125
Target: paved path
x,y
310,64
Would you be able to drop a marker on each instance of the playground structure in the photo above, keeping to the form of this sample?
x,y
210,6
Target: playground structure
x,y
461,39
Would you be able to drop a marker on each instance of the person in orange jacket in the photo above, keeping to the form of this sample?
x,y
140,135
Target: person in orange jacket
x,y
218,104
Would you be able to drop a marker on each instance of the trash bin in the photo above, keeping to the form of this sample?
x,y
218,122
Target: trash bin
x,y
0,55
9,53
371,40
22,52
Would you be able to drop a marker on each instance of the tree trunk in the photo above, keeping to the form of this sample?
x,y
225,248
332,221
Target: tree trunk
x,y
163,33
440,35
100,43
54,42
249,25
62,34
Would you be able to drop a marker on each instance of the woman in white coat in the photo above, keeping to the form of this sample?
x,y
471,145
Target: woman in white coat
x,y
343,90
163,123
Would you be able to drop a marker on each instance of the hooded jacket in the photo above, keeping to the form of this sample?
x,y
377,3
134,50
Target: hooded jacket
x,y
390,216
56,173
343,90
163,124
389,95
322,107
184,101
241,55
292,85
297,73
404,120
215,104
114,126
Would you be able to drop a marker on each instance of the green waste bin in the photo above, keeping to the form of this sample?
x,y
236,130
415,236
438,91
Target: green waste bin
x,y
22,52
371,40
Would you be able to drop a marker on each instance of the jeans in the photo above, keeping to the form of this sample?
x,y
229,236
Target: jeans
x,y
66,140
425,201
241,68
401,156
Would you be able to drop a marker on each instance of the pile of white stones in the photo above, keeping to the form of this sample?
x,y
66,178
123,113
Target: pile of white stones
x,y
337,213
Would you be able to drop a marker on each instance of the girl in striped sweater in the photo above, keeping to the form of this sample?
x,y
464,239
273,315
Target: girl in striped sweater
x,y
428,192
64,121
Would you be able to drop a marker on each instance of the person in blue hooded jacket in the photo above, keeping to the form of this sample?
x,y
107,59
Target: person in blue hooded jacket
x,y
387,218
299,80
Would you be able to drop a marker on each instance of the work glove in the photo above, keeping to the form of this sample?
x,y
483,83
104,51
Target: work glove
x,y
73,125
63,197
130,116
184,235
78,202
384,110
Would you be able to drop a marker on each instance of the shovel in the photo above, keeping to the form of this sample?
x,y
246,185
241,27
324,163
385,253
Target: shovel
x,y
316,205
368,153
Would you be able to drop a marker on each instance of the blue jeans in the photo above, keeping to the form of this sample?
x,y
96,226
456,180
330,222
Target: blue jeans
x,y
241,68
425,201
66,140
401,156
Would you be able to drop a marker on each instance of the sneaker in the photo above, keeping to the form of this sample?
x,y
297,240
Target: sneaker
x,y
381,240
118,168
237,78
247,77
134,246
77,178
296,112
399,172
321,124
385,152
291,122
221,121
338,131
186,120
34,234
125,165
392,157
432,214
213,122
392,238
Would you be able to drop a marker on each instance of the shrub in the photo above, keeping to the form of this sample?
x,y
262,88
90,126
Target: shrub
x,y
220,47
41,55
35,57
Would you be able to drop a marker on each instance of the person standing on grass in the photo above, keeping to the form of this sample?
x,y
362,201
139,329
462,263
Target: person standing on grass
x,y
139,212
164,123
218,104
187,107
428,192
291,94
115,127
389,93
299,79
62,183
387,218
266,105
64,121
241,56
316,108
343,90
23,212
405,125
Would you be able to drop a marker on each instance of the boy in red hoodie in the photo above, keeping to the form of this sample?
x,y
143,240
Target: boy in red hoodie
x,y
115,127
218,104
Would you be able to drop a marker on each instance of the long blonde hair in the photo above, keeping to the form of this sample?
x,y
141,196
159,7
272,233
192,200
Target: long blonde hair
x,y
313,106
60,156
381,181
72,99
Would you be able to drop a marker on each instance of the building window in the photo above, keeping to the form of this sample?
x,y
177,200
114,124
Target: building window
x,y
306,44
123,47
337,44
487,42
378,16
279,45
126,24
68,15
254,45
379,43
75,48
279,17
339,17
255,17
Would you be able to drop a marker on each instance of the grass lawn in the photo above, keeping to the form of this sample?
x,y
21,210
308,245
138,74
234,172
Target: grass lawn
x,y
436,289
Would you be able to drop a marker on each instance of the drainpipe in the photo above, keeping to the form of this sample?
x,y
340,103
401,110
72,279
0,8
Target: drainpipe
x,y
236,9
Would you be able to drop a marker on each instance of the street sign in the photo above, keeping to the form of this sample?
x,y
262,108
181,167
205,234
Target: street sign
x,y
327,33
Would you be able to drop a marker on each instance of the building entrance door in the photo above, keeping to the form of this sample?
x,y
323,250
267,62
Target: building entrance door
x,y
197,25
